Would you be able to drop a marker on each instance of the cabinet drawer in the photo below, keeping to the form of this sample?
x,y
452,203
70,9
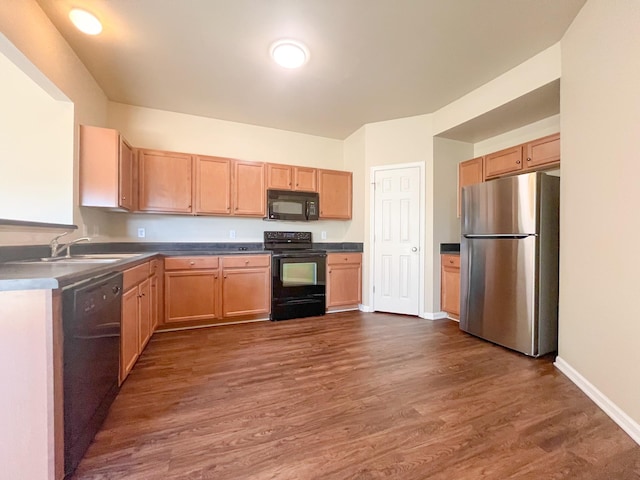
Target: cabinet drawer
x,y
342,258
190,263
134,276
451,260
239,261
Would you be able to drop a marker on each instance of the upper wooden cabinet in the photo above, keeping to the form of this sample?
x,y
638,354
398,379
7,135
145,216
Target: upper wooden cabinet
x,y
543,151
165,181
249,189
291,177
335,191
539,154
469,173
305,179
505,161
106,169
213,185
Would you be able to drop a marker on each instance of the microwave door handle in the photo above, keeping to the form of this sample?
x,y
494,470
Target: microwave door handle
x,y
306,210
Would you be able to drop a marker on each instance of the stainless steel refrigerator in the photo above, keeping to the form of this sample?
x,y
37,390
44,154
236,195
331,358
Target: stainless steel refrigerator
x,y
509,262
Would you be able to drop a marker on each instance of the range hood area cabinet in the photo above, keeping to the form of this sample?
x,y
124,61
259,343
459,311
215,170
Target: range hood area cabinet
x,y
107,169
291,177
114,175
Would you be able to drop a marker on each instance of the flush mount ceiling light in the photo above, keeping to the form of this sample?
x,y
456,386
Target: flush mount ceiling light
x,y
85,21
289,53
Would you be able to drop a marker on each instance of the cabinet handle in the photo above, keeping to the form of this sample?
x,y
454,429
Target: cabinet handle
x,y
518,162
246,262
528,159
225,276
450,261
192,263
124,197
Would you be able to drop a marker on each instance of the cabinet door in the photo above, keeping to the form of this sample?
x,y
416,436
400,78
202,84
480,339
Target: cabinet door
x,y
126,197
543,151
305,179
144,314
191,295
165,181
469,173
249,192
129,332
344,285
213,185
279,177
334,189
450,285
154,299
246,291
504,161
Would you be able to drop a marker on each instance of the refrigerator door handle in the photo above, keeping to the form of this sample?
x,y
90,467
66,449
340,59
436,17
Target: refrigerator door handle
x,y
513,236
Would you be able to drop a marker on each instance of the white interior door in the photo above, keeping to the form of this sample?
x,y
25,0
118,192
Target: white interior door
x,y
396,241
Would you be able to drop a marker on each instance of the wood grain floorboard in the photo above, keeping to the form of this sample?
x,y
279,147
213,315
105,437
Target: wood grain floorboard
x,y
351,396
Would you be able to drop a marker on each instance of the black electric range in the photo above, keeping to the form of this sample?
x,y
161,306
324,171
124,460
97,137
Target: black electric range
x,y
298,275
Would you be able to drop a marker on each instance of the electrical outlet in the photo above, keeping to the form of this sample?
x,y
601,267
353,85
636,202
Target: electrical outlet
x,y
141,233
232,234
323,235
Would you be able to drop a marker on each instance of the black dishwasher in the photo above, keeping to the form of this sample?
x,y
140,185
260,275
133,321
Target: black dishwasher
x,y
91,312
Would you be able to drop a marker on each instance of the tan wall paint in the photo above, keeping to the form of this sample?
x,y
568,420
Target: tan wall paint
x,y
26,403
354,160
599,223
539,70
447,154
524,134
36,144
27,27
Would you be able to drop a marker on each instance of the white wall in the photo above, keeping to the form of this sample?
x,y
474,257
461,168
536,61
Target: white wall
x,y
26,26
600,194
157,129
36,144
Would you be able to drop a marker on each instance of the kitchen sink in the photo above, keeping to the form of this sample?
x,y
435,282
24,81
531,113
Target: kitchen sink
x,y
80,259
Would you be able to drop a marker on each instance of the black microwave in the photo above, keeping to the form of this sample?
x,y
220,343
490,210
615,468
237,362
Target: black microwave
x,y
296,206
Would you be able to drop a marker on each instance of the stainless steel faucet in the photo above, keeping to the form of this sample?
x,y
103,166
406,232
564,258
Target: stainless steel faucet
x,y
56,248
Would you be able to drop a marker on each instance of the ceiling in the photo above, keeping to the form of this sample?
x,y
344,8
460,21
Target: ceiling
x,y
371,60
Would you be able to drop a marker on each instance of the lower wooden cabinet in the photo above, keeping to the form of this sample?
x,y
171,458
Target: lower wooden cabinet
x,y
137,321
246,285
202,290
450,284
344,281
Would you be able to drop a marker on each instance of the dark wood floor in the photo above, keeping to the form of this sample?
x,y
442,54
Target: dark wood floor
x,y
351,396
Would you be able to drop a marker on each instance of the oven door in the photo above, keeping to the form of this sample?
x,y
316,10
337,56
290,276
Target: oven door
x,y
298,285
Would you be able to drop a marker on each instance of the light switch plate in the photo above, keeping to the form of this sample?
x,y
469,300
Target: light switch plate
x,y
232,234
323,235
141,233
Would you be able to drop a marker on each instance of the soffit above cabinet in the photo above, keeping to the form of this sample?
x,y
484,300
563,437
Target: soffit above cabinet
x,y
536,105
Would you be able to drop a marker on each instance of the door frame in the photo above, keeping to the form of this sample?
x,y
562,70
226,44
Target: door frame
x,y
421,235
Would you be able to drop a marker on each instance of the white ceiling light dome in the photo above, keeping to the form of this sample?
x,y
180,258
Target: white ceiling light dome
x,y
85,22
289,53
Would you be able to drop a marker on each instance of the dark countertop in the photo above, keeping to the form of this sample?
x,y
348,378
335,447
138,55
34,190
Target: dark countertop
x,y
45,276
450,248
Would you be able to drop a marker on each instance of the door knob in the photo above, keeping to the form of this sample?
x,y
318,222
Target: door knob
x,y
414,249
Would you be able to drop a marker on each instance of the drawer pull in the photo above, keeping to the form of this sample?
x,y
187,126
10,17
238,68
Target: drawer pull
x,y
192,263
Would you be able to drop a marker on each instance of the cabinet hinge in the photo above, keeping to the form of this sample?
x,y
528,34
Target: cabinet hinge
x,y
374,289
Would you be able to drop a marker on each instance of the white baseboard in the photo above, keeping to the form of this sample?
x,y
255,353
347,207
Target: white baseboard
x,y
365,308
434,316
624,421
